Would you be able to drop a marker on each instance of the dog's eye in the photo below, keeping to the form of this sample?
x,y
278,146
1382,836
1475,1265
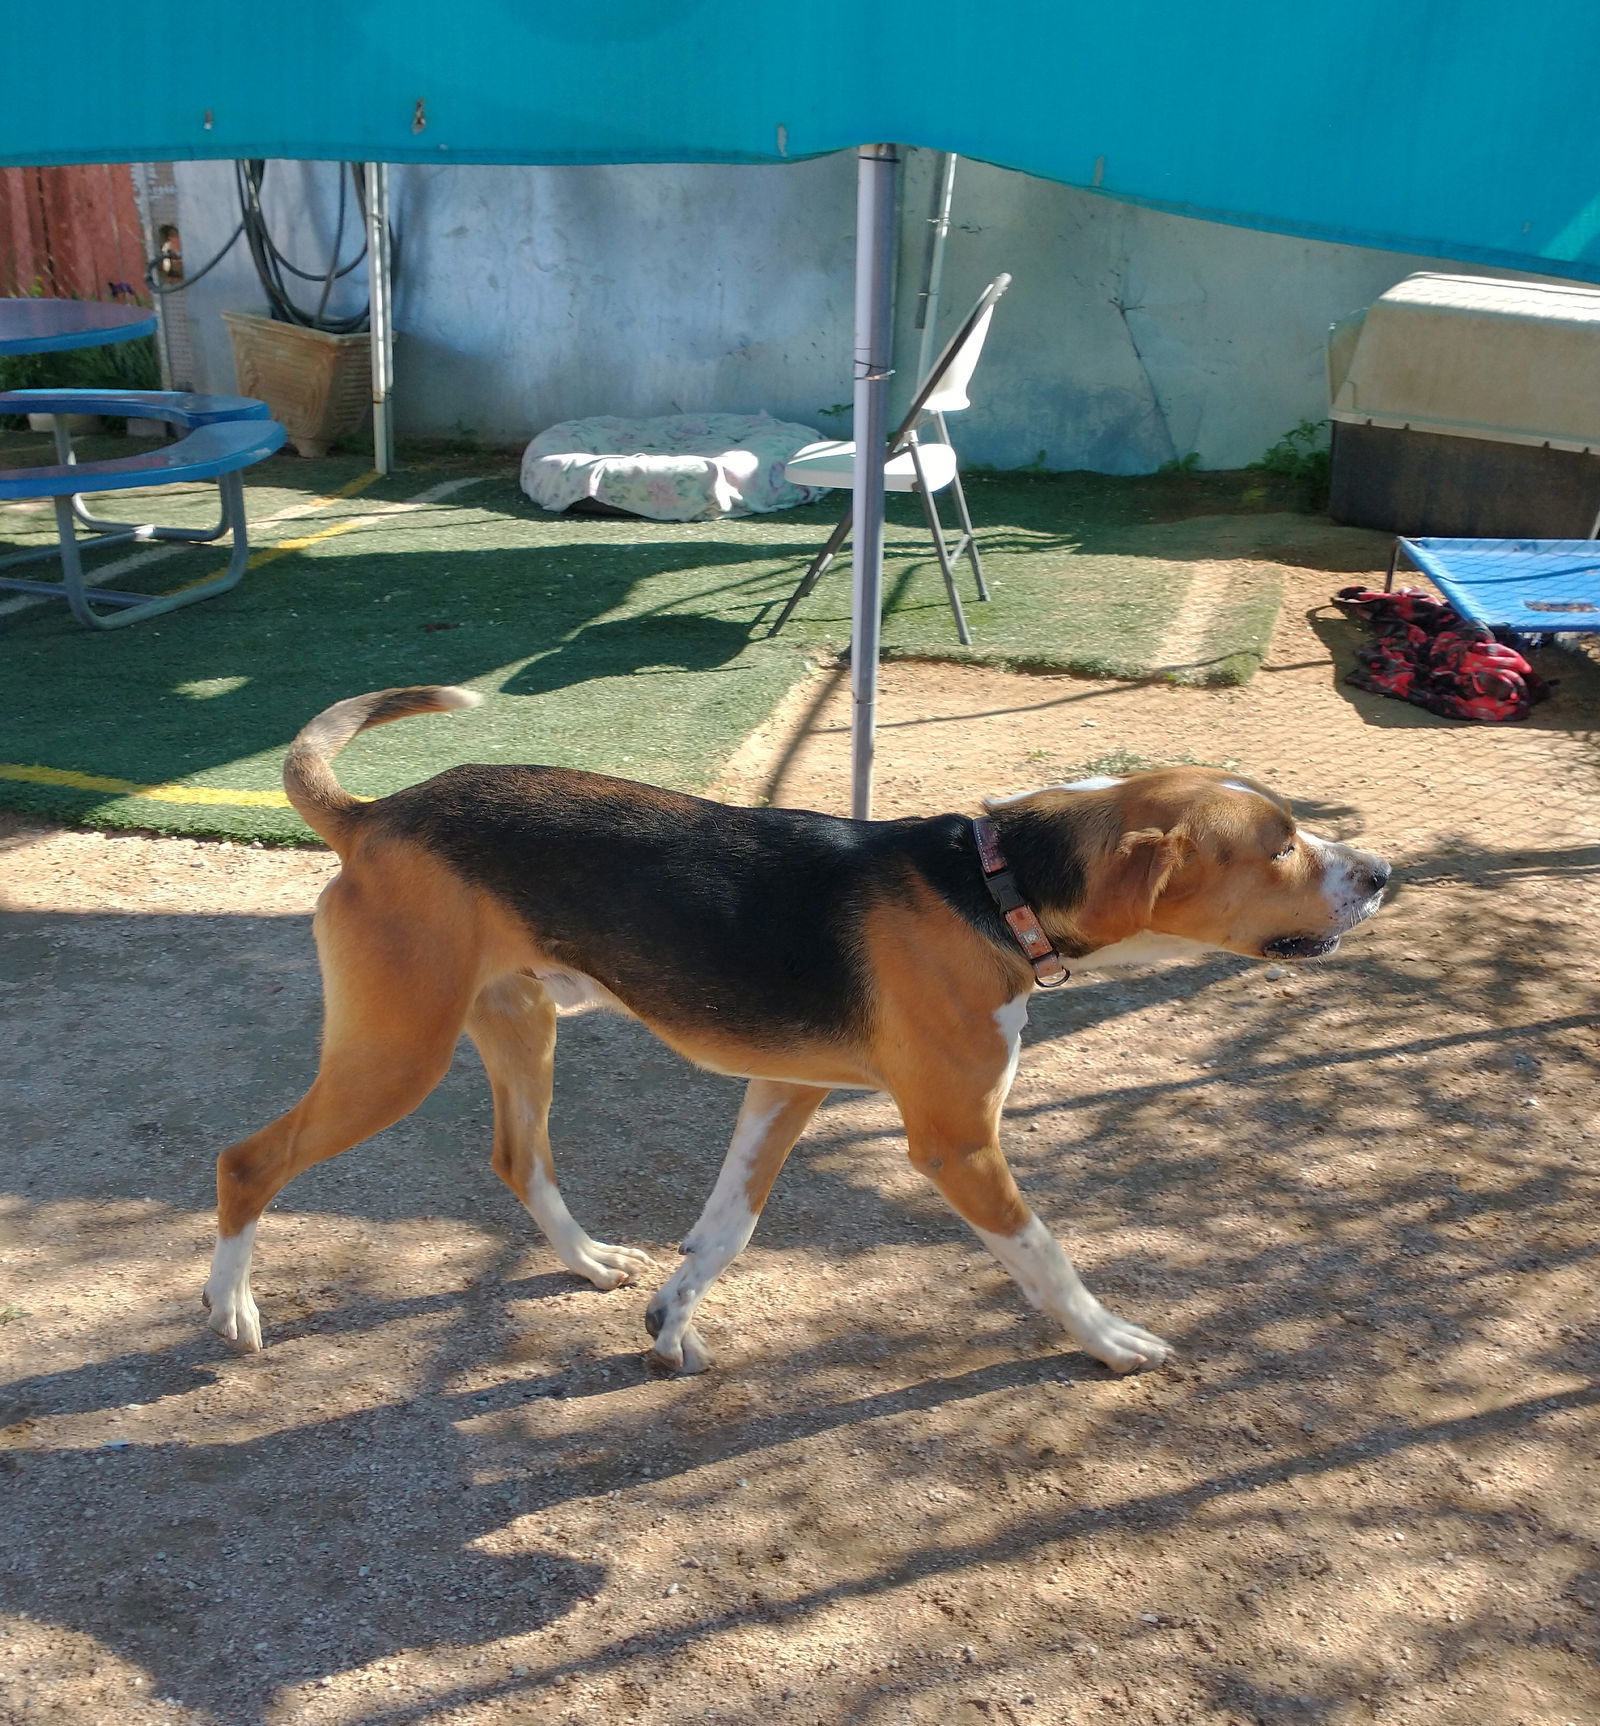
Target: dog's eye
x,y
1285,854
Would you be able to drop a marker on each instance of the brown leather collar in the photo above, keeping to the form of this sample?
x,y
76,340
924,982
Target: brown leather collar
x,y
1025,927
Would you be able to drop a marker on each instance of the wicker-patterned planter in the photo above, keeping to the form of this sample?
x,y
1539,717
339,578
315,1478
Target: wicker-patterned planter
x,y
318,386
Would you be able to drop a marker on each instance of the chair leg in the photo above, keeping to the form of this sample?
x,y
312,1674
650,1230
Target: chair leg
x,y
814,572
968,542
930,512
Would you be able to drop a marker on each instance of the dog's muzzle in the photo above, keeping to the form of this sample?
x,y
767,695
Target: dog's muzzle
x,y
1369,880
1301,946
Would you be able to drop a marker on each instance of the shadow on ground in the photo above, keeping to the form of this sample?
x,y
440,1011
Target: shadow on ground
x,y
1364,1483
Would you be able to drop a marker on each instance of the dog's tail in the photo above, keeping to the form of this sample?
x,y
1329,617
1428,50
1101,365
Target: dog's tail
x,y
319,799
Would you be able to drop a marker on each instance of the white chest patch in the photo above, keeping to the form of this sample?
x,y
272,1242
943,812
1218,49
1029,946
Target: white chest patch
x,y
1011,1018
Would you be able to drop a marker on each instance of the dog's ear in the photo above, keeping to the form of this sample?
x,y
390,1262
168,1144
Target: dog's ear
x,y
1146,861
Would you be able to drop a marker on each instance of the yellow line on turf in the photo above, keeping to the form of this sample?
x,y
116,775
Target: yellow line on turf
x,y
271,553
33,775
284,546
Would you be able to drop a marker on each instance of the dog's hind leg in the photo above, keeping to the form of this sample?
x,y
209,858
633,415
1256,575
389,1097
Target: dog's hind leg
x,y
773,1116
513,1024
396,990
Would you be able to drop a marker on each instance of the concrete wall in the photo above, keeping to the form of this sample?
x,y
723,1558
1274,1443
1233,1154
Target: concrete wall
x,y
531,295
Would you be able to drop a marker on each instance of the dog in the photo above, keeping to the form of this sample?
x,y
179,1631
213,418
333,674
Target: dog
x,y
799,952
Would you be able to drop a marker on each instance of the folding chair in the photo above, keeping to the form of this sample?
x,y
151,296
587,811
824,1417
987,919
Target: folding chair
x,y
910,464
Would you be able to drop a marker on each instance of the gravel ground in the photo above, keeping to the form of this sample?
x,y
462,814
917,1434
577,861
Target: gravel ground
x,y
1359,1196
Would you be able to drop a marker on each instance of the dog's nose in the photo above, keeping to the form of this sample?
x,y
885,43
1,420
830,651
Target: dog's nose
x,y
1378,873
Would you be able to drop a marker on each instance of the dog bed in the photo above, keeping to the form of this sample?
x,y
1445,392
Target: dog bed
x,y
688,467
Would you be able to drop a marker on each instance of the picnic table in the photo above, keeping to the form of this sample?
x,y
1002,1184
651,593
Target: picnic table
x,y
221,435
33,326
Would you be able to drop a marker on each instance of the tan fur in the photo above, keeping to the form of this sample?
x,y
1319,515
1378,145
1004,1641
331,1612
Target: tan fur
x,y
413,956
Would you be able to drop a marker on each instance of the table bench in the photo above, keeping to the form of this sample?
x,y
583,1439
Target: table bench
x,y
222,436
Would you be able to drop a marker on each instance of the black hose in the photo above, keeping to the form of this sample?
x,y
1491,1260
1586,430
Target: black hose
x,y
270,262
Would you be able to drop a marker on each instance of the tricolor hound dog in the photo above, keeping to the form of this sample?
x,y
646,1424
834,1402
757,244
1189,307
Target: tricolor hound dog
x,y
796,951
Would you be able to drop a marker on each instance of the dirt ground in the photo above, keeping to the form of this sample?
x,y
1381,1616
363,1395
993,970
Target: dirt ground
x,y
1359,1196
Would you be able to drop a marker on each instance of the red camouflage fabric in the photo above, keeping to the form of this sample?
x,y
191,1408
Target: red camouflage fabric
x,y
1425,652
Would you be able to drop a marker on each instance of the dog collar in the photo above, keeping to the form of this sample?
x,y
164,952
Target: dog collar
x,y
1025,927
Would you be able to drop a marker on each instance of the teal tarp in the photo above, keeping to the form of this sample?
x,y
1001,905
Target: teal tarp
x,y
1458,128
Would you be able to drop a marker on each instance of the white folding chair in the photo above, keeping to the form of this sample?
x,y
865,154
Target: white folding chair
x,y
910,464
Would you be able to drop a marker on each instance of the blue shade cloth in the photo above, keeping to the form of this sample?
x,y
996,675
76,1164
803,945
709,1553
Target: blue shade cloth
x,y
47,326
1538,586
1454,128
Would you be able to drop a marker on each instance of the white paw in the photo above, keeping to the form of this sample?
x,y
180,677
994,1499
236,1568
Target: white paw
x,y
1122,1346
234,1315
608,1267
685,1357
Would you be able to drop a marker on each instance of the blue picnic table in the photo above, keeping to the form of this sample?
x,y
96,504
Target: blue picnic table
x,y
36,326
220,436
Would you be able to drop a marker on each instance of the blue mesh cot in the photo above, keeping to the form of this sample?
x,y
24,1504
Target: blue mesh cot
x,y
1533,586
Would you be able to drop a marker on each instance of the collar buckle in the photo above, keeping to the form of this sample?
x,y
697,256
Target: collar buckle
x,y
1026,929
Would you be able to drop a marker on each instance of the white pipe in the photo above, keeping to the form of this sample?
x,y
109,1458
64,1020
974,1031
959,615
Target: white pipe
x,y
382,318
875,186
930,297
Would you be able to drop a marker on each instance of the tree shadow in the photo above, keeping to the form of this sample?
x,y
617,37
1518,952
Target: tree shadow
x,y
227,1571
230,681
633,647
236,1597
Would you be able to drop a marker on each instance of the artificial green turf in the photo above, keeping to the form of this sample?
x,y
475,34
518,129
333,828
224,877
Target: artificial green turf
x,y
623,646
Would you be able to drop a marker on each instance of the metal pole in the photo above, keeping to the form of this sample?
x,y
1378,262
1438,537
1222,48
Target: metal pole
x,y
875,173
382,317
930,297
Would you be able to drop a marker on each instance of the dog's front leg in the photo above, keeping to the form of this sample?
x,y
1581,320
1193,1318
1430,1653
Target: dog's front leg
x,y
951,1109
772,1118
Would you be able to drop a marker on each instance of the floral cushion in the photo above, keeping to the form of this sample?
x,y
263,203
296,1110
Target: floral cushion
x,y
688,467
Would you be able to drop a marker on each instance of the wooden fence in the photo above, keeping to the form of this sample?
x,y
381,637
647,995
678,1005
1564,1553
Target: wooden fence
x,y
71,233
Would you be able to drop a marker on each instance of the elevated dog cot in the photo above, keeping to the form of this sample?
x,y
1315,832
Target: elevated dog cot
x,y
1531,587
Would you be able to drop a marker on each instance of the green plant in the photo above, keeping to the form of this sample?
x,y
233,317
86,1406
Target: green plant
x,y
122,366
1301,455
1189,463
119,366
